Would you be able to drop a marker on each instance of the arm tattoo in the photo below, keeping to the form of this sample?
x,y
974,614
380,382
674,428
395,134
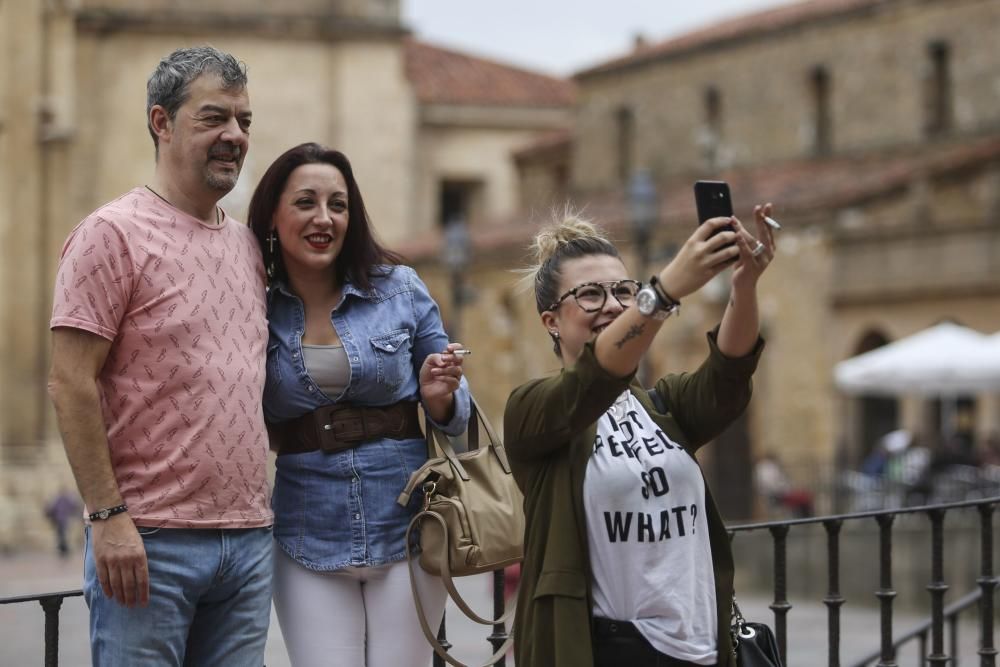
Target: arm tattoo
x,y
633,332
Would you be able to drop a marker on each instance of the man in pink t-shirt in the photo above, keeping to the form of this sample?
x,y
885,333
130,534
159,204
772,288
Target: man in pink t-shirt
x,y
159,329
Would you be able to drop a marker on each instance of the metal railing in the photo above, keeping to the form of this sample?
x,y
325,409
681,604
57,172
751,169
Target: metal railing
x,y
779,530
920,631
51,603
886,594
500,633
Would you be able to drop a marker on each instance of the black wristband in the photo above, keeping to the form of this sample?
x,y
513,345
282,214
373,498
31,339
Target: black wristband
x,y
107,512
666,300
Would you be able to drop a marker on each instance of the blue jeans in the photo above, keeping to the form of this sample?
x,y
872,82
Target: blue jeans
x,y
209,601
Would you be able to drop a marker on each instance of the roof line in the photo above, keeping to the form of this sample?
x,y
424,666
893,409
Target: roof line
x,y
742,28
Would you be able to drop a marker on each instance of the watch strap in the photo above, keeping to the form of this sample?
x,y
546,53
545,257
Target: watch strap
x,y
666,300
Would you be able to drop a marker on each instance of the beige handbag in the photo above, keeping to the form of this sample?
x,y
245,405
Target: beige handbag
x,y
472,519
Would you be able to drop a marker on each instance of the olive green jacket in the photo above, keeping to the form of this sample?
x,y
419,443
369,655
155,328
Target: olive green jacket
x,y
549,430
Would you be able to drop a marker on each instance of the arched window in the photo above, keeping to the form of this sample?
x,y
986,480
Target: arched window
x,y
876,415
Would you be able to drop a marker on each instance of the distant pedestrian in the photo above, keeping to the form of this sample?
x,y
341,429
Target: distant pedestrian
x,y
773,483
990,455
60,511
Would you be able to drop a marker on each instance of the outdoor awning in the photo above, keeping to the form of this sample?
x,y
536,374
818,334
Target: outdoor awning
x,y
944,360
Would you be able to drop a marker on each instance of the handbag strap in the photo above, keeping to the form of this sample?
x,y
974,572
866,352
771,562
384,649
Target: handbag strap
x,y
476,418
495,443
738,626
436,437
444,445
453,592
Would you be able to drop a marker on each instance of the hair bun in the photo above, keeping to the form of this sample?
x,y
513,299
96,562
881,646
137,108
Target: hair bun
x,y
568,227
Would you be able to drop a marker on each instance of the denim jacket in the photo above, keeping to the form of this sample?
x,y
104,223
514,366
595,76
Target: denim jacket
x,y
337,510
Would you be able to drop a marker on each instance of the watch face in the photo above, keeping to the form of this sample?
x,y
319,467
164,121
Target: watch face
x,y
645,301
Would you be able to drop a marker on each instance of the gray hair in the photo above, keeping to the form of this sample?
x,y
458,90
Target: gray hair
x,y
169,83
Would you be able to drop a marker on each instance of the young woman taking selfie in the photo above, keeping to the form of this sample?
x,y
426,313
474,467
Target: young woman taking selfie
x,y
627,561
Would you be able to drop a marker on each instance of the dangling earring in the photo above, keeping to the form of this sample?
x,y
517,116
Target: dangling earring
x,y
270,255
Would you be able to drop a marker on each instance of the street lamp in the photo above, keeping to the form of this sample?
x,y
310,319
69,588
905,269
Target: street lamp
x,y
456,258
643,207
642,203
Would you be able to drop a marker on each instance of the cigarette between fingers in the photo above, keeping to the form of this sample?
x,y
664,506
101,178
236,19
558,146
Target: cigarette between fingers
x,y
462,352
771,221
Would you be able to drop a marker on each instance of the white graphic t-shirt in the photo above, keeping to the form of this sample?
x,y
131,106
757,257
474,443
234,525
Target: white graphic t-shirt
x,y
650,556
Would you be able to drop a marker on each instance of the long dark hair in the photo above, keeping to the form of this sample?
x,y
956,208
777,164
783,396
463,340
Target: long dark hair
x,y
360,254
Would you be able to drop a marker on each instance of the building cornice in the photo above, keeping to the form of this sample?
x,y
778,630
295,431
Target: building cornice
x,y
738,32
493,117
320,27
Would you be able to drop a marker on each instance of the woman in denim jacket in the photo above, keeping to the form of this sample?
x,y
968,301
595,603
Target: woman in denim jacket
x,y
356,342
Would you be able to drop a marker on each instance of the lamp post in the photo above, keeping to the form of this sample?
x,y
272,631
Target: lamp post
x,y
643,215
456,258
642,204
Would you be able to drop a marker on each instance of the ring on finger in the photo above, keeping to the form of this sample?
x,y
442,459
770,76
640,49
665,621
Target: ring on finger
x,y
757,250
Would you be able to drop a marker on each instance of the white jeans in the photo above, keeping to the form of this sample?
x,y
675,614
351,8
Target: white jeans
x,y
355,617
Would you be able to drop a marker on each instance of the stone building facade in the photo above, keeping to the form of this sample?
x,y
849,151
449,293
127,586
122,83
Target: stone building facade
x,y
342,72
874,127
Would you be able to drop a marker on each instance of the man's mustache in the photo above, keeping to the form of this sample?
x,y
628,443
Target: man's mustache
x,y
225,151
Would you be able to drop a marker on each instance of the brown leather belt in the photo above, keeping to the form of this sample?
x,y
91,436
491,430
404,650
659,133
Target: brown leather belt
x,y
333,428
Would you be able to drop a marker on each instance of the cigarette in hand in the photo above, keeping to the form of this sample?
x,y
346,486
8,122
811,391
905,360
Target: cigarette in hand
x,y
462,352
771,221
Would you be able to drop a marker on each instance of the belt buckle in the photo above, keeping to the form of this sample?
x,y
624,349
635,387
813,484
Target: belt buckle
x,y
340,432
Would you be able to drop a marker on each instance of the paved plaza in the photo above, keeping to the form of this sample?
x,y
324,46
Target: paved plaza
x,y
22,625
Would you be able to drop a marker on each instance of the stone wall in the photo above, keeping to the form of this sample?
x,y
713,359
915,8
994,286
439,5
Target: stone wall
x,y
74,89
24,160
878,66
73,136
473,151
386,11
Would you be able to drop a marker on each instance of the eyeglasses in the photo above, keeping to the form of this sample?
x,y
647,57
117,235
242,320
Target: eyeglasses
x,y
591,297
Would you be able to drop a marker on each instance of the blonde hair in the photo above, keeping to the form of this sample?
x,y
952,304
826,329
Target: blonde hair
x,y
568,236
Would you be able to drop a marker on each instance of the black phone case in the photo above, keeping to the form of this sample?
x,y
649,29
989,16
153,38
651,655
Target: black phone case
x,y
713,200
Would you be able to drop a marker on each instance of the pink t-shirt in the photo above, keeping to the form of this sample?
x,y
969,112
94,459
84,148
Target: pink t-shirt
x,y
183,304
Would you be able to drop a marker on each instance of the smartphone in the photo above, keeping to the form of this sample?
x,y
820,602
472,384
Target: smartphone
x,y
713,200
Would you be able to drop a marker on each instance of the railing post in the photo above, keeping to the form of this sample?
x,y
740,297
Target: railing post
x,y
443,639
51,605
937,588
833,598
953,638
885,593
499,635
780,606
987,584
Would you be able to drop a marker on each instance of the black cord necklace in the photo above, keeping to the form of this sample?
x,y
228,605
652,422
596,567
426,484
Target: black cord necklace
x,y
218,211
